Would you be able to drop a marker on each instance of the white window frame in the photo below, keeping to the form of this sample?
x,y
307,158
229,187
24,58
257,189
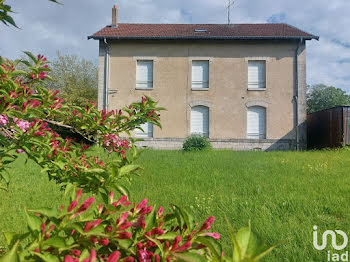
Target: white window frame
x,y
206,60
259,136
264,61
200,134
147,134
144,59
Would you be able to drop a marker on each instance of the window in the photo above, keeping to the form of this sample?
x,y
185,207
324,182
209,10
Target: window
x,y
148,130
144,74
200,74
200,121
256,74
256,122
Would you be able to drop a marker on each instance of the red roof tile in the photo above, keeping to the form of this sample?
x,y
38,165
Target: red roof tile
x,y
213,31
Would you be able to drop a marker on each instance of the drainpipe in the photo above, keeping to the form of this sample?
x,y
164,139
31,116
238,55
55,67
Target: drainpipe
x,y
106,75
296,96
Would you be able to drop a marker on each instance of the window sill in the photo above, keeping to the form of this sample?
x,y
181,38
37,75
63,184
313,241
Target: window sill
x,y
144,88
257,89
199,89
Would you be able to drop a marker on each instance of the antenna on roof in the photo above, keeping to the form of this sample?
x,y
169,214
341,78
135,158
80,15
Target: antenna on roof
x,y
230,4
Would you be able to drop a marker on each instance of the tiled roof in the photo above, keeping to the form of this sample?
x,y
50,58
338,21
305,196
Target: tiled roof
x,y
202,31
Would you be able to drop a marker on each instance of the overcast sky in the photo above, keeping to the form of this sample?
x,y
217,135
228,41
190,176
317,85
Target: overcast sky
x,y
47,27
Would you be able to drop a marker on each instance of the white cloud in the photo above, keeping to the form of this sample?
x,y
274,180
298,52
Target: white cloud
x,y
47,27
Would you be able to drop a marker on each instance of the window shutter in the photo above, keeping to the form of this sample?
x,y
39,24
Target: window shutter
x,y
200,121
144,74
256,122
148,130
200,74
256,74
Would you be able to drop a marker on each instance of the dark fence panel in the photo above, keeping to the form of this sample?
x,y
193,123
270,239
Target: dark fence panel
x,y
325,128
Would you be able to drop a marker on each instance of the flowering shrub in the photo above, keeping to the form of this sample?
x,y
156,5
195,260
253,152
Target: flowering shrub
x,y
114,231
34,121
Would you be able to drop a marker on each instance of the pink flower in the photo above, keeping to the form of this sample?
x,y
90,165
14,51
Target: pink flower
x,y
124,235
79,193
109,229
103,242
87,203
76,252
43,227
157,231
142,204
184,247
114,257
207,224
125,226
213,235
68,258
4,120
176,242
120,201
72,206
129,259
160,211
23,125
111,196
92,255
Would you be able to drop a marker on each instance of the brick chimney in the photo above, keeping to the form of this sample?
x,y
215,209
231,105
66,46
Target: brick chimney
x,y
114,16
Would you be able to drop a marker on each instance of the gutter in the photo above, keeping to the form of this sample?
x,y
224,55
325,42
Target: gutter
x,y
296,94
106,76
204,37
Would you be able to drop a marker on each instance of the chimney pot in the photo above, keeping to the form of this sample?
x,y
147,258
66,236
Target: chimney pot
x,y
114,16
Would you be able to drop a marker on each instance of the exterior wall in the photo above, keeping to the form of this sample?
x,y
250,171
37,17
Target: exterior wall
x,y
302,97
228,96
101,72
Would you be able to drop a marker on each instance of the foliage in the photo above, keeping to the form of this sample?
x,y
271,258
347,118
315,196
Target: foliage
x,y
320,97
196,143
5,13
30,115
75,78
118,230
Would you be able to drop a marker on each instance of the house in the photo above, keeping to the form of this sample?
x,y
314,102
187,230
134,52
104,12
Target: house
x,y
241,85
329,128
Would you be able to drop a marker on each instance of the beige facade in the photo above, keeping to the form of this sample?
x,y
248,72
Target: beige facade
x,y
227,97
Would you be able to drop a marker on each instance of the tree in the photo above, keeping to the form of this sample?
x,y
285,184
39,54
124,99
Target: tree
x,y
320,97
75,78
5,11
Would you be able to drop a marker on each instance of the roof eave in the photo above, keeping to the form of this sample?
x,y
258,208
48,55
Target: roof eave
x,y
204,37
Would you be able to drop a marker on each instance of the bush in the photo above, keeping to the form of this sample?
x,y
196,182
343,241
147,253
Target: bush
x,y
196,143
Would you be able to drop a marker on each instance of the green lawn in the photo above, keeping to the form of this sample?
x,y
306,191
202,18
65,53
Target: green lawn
x,y
283,193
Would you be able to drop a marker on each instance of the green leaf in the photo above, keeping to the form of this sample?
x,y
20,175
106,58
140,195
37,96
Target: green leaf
x,y
151,219
122,190
187,217
5,175
56,242
33,221
213,245
31,56
48,212
160,246
127,169
12,238
12,255
85,254
189,257
168,236
47,257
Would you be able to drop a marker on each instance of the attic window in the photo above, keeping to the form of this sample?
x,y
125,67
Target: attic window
x,y
200,30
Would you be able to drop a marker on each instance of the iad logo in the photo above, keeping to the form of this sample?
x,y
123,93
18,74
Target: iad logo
x,y
333,234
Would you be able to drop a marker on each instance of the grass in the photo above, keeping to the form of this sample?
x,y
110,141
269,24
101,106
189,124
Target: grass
x,y
284,194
